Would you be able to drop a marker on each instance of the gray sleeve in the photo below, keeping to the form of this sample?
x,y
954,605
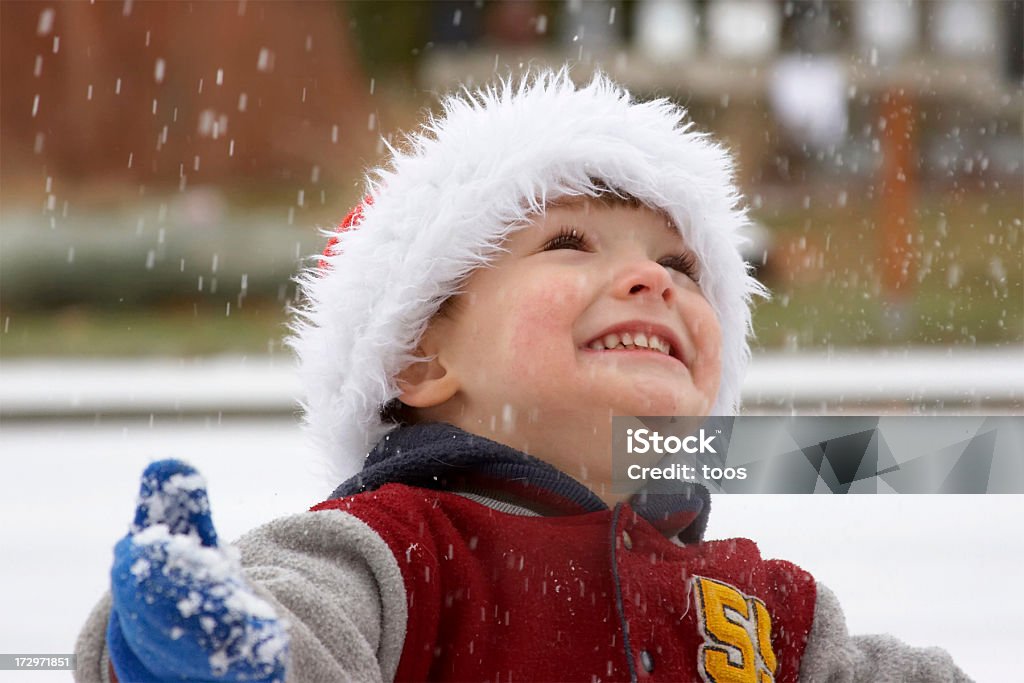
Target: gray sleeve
x,y
833,656
91,648
331,577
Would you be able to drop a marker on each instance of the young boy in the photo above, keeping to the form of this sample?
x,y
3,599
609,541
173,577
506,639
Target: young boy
x,y
538,260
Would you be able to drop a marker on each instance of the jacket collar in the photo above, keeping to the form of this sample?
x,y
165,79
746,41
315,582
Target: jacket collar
x,y
443,457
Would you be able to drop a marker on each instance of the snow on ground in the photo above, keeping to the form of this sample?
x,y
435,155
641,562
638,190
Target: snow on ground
x,y
933,570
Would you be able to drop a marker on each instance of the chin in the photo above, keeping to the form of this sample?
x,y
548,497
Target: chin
x,y
658,400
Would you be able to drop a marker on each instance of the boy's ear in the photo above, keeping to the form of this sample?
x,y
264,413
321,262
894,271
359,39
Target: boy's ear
x,y
427,382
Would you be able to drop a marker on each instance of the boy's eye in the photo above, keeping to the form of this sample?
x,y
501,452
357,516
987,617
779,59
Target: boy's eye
x,y
685,263
573,238
568,238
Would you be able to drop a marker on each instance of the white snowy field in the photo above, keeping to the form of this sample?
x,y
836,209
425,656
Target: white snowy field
x,y
932,570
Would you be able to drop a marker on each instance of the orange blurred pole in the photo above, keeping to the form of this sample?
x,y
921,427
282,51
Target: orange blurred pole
x,y
898,187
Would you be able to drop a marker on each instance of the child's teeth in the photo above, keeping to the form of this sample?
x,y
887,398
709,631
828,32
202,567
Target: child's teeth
x,y
627,341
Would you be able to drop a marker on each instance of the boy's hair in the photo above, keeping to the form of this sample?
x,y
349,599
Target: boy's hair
x,y
444,203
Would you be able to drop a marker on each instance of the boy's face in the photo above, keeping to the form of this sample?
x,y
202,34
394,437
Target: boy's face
x,y
517,349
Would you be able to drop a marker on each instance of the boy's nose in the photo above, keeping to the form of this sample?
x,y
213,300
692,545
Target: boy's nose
x,y
644,278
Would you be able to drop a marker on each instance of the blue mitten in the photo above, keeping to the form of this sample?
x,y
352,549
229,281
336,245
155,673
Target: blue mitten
x,y
182,608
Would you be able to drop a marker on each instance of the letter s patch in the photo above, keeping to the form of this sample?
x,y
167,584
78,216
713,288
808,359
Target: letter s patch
x,y
737,632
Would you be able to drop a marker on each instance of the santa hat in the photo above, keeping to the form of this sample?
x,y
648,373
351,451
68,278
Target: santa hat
x,y
457,187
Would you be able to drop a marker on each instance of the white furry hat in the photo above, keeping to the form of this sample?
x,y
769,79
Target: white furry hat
x,y
459,186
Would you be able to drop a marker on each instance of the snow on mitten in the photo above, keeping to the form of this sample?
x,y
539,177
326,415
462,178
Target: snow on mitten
x,y
182,607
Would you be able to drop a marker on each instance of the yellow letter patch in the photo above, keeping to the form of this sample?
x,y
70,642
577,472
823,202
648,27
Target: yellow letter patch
x,y
737,632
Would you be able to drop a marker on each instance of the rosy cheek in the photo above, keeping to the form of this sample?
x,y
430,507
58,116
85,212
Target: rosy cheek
x,y
708,362
541,319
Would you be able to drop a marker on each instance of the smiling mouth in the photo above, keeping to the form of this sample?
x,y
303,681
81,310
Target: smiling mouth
x,y
637,342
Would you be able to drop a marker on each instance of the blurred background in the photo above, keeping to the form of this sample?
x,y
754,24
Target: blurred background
x,y
167,167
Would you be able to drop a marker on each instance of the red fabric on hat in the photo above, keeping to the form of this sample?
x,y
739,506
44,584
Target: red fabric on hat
x,y
351,221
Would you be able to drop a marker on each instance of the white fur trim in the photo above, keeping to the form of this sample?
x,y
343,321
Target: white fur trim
x,y
459,186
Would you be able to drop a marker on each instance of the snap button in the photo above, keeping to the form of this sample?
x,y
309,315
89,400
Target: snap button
x,y
627,540
647,661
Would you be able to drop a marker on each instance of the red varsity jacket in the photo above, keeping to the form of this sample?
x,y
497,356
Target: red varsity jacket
x,y
514,571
